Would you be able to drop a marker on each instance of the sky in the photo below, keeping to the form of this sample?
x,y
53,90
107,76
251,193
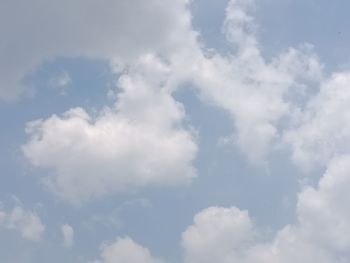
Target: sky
x,y
174,131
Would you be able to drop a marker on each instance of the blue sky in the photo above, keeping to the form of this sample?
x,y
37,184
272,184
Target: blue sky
x,y
174,131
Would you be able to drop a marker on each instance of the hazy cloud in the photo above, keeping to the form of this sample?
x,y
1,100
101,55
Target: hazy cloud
x,y
26,222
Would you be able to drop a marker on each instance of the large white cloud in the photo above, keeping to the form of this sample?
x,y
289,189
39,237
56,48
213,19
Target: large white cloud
x,y
262,95
27,223
139,142
216,235
115,30
323,130
258,93
225,235
125,250
321,234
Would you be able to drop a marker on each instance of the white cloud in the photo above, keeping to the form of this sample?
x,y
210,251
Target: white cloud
x,y
323,212
115,30
323,130
225,235
68,235
322,233
27,223
125,250
286,100
251,88
139,142
60,82
254,90
216,235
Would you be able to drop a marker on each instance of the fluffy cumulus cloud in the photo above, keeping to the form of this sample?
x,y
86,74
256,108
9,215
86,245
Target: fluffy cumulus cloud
x,y
322,131
251,88
225,235
286,100
68,235
321,234
139,142
261,95
142,139
217,233
27,223
115,30
254,90
125,250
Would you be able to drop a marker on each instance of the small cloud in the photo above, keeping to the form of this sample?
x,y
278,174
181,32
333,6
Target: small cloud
x,y
60,82
68,235
125,250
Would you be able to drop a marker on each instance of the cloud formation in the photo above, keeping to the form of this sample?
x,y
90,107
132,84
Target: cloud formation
x,y
256,92
27,223
321,233
60,82
216,235
225,235
142,141
68,235
139,142
125,250
112,30
323,129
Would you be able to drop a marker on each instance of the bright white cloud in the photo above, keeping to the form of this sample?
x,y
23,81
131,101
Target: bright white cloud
x,y
273,102
115,30
252,89
216,235
139,142
323,212
321,234
226,235
125,250
286,100
27,223
323,130
68,235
